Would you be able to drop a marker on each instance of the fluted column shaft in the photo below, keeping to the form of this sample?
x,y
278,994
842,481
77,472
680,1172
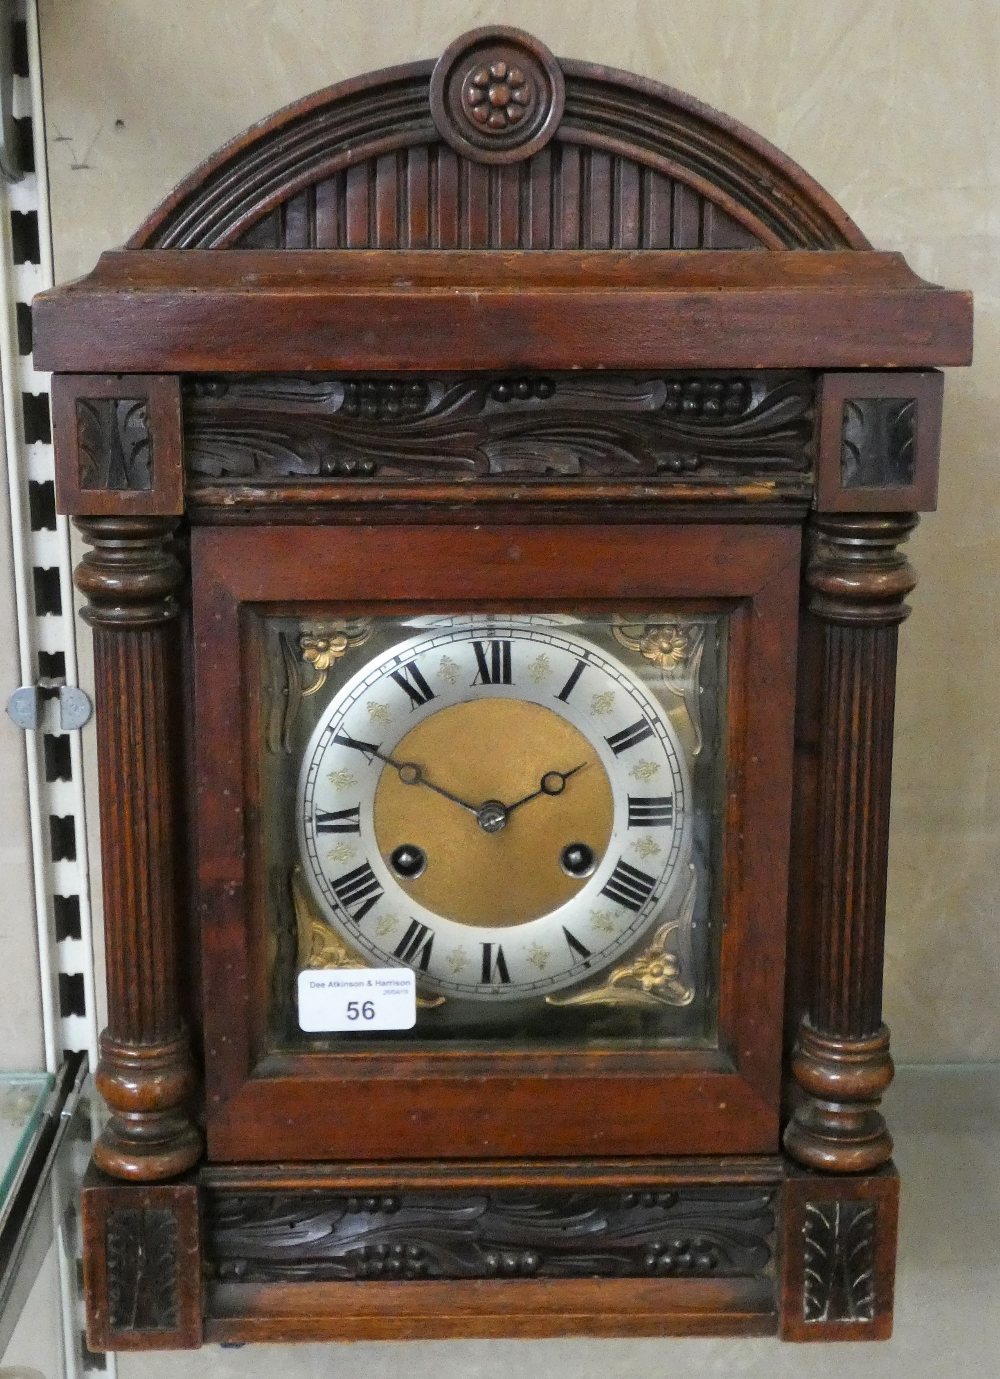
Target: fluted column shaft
x,y
858,582
145,1072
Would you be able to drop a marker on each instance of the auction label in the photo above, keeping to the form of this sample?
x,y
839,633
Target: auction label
x,y
357,998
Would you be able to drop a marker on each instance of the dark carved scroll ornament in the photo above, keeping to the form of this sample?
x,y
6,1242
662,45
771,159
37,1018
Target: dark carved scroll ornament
x,y
839,1253
695,1233
718,426
142,1269
878,442
115,443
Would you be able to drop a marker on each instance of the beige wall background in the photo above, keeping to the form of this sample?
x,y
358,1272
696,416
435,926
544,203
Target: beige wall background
x,y
890,104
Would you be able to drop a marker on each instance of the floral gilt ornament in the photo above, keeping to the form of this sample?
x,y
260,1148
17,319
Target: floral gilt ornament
x,y
322,647
675,648
655,977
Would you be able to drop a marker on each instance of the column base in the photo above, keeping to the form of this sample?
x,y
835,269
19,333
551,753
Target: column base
x,y
838,1127
150,1135
148,1147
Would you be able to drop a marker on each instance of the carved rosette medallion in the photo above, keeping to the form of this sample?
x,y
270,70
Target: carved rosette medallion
x,y
497,95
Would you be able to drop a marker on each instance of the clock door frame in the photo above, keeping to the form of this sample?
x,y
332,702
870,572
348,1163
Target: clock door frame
x,y
375,1104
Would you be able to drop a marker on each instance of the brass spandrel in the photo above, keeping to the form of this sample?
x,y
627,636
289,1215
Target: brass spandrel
x,y
675,648
320,947
654,976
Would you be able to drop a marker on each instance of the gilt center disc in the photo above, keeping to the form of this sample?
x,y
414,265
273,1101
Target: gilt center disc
x,y
483,750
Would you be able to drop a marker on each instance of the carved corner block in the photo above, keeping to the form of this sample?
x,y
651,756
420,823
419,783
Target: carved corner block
x,y
879,441
118,445
839,1255
141,1265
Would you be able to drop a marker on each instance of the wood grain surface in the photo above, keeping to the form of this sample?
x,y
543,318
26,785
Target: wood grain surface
x,y
166,311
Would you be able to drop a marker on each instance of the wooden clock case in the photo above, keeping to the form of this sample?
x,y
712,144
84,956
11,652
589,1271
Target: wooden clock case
x,y
685,375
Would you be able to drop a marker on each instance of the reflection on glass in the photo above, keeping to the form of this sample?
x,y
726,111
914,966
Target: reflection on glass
x,y
22,1102
524,810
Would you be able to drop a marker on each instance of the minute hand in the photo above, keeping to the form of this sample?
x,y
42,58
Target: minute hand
x,y
410,773
552,783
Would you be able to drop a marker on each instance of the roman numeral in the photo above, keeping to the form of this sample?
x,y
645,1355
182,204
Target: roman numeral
x,y
494,965
338,820
359,887
575,674
415,945
628,737
370,749
493,661
650,811
410,678
629,886
578,950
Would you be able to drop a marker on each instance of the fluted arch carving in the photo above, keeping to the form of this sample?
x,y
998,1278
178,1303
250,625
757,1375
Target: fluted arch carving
x,y
632,164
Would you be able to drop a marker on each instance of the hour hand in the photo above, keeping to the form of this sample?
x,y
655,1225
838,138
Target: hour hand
x,y
552,783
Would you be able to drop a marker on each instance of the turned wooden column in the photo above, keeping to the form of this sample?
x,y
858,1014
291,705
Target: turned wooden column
x,y
145,1073
858,581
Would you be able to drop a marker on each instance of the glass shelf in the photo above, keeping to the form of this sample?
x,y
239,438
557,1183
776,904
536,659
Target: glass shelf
x,y
22,1106
44,1146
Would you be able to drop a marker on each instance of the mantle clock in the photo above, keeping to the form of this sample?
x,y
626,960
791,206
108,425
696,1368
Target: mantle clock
x,y
494,473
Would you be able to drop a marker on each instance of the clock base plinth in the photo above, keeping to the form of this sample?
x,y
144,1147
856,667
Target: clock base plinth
x,y
427,1250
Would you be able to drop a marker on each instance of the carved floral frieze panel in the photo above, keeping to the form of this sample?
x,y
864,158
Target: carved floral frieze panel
x,y
729,426
683,1233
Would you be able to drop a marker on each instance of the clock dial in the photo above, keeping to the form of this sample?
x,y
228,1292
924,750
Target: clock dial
x,y
502,807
